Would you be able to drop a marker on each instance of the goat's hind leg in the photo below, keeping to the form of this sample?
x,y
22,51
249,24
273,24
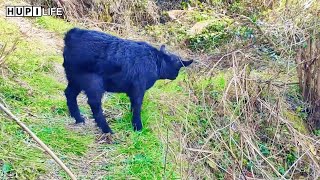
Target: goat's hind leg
x,y
71,94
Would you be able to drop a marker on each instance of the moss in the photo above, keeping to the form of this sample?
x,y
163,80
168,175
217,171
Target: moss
x,y
296,121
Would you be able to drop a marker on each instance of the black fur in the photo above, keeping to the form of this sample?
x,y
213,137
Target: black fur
x,y
96,62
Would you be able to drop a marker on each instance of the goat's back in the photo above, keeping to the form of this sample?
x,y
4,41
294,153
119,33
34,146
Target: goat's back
x,y
85,51
96,52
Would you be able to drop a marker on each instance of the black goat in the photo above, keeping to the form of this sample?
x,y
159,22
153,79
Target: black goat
x,y
96,62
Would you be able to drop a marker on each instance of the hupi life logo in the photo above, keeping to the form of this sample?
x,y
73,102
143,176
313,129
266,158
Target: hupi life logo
x,y
32,11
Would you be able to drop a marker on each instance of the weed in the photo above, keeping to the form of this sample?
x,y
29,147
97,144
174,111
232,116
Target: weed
x,y
240,116
28,87
214,35
53,24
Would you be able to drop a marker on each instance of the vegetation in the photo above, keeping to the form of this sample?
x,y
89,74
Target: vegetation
x,y
240,111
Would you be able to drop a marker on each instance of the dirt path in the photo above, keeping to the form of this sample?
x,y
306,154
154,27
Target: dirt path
x,y
46,38
101,160
30,31
82,166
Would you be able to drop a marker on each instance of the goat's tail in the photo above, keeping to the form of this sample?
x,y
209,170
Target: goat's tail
x,y
72,33
68,41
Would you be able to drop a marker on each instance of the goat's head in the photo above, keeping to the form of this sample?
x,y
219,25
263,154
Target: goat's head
x,y
171,64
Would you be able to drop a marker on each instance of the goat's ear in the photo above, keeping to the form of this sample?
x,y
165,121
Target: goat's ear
x,y
187,63
163,48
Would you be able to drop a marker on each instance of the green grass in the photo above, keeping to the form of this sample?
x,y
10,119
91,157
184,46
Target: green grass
x,y
61,139
26,87
32,91
58,26
141,154
34,94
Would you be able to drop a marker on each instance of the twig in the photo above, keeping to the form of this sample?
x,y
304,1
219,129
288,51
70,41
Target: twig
x,y
258,28
217,63
300,158
165,156
262,156
97,157
5,53
45,147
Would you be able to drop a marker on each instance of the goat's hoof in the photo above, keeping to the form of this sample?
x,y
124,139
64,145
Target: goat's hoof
x,y
106,130
137,128
80,122
76,126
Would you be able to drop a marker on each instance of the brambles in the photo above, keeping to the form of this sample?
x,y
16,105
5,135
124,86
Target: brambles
x,y
213,36
240,112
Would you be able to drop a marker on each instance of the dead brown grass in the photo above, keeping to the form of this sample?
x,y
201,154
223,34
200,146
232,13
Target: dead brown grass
x,y
109,15
250,124
5,51
254,131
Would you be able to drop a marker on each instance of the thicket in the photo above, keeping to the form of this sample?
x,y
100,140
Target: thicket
x,y
253,99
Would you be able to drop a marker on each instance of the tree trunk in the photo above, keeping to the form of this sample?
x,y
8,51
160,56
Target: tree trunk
x,y
308,70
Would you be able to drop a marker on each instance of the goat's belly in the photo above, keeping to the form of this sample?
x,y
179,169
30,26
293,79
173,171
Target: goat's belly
x,y
112,86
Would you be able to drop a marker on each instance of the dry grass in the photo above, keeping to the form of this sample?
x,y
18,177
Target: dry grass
x,y
5,51
238,131
243,116
109,15
255,131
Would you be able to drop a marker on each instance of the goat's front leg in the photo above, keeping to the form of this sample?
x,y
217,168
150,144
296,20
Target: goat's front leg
x,y
136,99
94,91
94,100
